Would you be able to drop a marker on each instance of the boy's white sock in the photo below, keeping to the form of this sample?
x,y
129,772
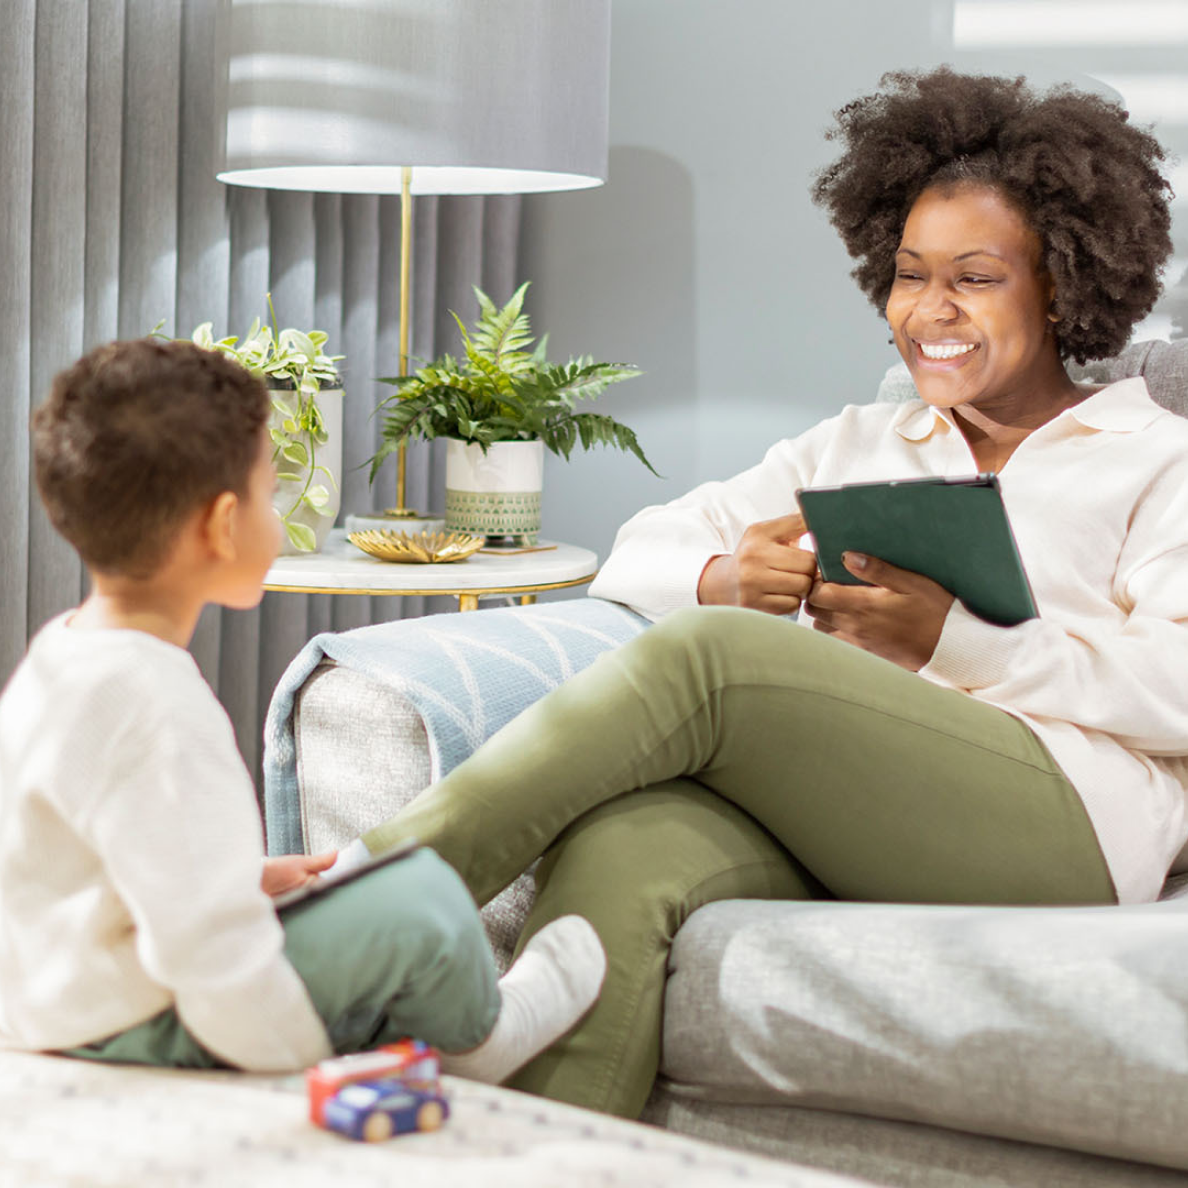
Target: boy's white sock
x,y
551,986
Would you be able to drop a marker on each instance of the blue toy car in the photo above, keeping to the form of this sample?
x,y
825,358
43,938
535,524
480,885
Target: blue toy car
x,y
372,1111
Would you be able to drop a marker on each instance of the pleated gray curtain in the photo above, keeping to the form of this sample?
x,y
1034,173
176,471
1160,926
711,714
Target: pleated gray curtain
x,y
111,219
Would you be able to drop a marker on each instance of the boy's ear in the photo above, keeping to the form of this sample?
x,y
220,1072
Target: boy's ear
x,y
218,525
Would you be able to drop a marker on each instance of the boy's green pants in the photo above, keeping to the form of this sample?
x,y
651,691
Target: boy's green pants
x,y
397,952
731,754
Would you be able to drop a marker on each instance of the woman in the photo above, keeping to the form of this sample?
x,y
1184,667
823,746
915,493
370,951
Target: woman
x,y
904,750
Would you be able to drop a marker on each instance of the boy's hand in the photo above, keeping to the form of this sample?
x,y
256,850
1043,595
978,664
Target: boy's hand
x,y
294,870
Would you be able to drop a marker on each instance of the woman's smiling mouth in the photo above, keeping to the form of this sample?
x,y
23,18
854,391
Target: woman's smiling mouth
x,y
944,351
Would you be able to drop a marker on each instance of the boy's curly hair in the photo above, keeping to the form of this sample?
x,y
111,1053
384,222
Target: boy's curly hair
x,y
1086,179
136,436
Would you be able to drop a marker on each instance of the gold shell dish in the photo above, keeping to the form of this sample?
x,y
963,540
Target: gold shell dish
x,y
421,548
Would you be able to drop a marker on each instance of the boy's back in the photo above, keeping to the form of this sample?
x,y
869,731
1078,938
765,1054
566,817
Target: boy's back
x,y
130,857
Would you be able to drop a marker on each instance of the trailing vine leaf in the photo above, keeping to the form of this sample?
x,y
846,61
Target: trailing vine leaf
x,y
294,365
502,389
301,535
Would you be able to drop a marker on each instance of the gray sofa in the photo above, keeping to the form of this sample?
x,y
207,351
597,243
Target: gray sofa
x,y
903,1045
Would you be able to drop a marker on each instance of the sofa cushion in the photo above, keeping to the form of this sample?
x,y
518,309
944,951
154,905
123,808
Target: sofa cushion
x,y
1063,1026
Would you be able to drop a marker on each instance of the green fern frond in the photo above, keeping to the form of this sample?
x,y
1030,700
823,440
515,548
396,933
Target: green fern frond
x,y
501,334
593,429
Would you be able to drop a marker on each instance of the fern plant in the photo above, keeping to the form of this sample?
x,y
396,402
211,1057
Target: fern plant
x,y
503,391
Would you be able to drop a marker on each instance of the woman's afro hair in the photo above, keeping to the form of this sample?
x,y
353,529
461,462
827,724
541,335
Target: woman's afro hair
x,y
1087,180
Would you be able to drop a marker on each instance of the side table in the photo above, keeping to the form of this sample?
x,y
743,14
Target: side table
x,y
340,568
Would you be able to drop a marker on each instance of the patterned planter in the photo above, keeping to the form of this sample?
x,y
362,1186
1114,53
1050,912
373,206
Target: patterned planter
x,y
496,493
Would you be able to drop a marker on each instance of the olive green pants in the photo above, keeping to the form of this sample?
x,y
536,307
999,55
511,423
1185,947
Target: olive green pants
x,y
730,754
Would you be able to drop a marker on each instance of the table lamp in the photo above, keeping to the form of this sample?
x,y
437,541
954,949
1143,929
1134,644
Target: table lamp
x,y
414,97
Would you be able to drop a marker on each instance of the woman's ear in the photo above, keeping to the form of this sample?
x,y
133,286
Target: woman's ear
x,y
1053,313
218,525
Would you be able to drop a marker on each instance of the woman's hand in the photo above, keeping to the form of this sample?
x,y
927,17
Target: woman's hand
x,y
766,572
899,616
294,870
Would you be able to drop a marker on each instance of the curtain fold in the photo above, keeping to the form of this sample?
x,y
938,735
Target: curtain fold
x,y
111,220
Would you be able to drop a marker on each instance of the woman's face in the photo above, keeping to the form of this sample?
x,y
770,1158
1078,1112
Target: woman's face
x,y
970,302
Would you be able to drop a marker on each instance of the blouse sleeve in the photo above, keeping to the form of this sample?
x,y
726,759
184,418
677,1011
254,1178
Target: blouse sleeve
x,y
660,553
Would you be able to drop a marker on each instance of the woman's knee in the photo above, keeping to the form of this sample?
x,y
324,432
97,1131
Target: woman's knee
x,y
711,648
641,862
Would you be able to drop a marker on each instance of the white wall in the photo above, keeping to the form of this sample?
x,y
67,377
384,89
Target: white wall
x,y
702,259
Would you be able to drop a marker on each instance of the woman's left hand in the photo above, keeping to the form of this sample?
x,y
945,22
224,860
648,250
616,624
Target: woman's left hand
x,y
899,616
294,870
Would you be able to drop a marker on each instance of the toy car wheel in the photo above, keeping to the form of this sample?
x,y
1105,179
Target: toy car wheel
x,y
377,1127
430,1115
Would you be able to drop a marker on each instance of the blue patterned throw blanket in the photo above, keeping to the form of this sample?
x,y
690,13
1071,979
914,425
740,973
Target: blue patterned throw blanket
x,y
466,674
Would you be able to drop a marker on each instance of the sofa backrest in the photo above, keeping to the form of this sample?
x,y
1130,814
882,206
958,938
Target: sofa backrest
x,y
1164,365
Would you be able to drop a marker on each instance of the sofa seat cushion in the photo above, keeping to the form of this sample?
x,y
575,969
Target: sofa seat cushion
x,y
1063,1026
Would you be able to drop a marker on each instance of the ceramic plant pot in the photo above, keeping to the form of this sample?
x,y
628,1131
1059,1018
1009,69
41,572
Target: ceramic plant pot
x,y
287,499
496,493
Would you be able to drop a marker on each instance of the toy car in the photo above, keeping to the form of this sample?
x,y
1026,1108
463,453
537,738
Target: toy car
x,y
372,1111
413,1061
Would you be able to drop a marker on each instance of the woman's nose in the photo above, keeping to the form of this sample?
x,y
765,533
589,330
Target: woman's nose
x,y
936,303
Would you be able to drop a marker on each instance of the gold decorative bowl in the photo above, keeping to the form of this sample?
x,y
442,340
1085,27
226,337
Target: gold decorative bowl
x,y
420,548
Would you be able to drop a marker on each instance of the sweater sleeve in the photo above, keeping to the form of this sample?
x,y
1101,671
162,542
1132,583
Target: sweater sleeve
x,y
660,553
178,833
1123,674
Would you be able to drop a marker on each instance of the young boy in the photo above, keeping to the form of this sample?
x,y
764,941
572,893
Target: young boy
x,y
135,918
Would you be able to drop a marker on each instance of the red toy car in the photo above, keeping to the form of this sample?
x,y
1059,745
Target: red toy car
x,y
413,1062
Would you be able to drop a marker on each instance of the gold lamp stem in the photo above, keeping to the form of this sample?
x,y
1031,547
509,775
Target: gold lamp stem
x,y
405,270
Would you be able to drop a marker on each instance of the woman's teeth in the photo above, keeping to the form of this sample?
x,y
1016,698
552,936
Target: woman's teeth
x,y
948,350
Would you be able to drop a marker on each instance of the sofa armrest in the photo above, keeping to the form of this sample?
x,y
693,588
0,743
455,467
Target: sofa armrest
x,y
422,695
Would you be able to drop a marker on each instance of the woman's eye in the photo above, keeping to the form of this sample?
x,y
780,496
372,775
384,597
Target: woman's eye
x,y
977,280
907,276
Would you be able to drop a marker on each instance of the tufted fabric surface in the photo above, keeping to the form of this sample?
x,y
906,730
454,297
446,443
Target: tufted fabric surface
x,y
75,1124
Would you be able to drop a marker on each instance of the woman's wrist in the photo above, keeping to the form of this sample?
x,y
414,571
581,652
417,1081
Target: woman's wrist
x,y
718,584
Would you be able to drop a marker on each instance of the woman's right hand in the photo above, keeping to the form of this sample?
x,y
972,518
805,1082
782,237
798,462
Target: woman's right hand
x,y
767,571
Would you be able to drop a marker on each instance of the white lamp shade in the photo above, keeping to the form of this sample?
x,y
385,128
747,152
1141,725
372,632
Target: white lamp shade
x,y
476,96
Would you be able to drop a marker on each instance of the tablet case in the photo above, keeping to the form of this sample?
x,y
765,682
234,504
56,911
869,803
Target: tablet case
x,y
953,530
322,884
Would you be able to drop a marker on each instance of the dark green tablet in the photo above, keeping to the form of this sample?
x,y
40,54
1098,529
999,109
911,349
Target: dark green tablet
x,y
953,530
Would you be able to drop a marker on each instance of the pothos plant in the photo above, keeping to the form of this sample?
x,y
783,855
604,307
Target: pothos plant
x,y
502,391
292,364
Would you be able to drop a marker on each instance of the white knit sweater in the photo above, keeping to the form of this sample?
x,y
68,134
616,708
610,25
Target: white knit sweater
x,y
130,859
1098,500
